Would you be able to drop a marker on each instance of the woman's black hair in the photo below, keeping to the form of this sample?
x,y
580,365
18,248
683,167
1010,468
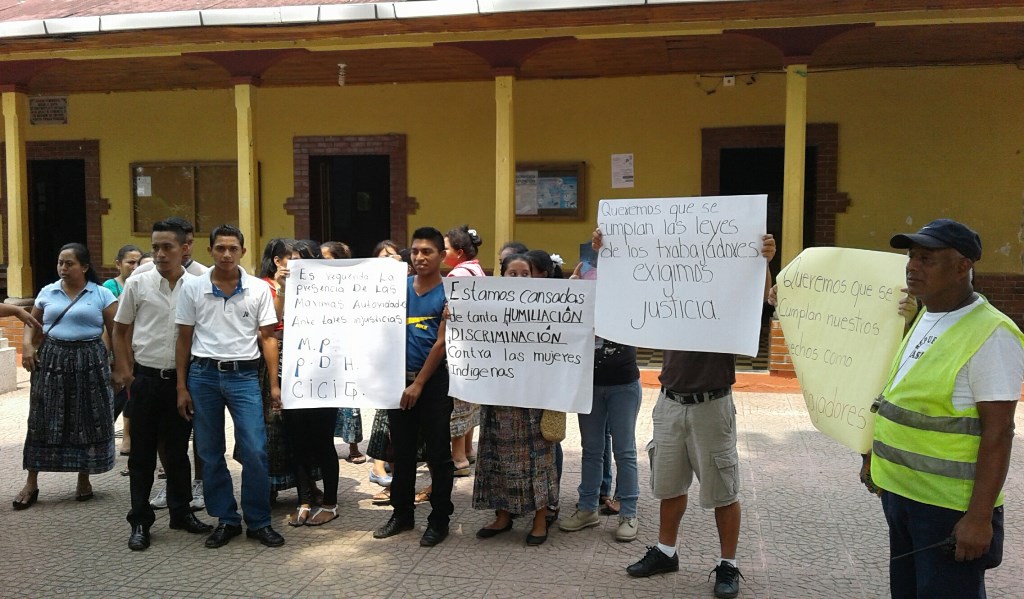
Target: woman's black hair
x,y
513,258
308,249
517,247
387,243
465,239
83,257
124,250
337,249
276,248
541,260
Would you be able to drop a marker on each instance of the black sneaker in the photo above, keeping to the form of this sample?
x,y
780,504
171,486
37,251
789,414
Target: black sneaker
x,y
727,580
655,562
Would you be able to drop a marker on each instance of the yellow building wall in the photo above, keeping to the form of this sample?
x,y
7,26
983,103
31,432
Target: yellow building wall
x,y
136,127
921,144
449,131
915,144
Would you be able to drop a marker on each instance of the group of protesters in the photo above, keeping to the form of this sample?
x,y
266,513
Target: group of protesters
x,y
189,341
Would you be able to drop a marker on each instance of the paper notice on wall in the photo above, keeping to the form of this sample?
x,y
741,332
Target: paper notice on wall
x,y
143,186
682,273
839,311
622,171
526,192
344,334
521,342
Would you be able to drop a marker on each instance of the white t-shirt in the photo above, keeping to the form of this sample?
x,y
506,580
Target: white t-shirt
x,y
226,328
994,373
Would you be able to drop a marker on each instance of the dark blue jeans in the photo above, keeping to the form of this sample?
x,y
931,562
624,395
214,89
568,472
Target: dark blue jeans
x,y
934,573
239,391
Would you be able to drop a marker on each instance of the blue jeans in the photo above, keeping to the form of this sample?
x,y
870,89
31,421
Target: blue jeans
x,y
606,468
239,391
934,573
615,407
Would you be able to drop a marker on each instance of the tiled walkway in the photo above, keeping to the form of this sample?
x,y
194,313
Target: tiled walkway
x,y
809,530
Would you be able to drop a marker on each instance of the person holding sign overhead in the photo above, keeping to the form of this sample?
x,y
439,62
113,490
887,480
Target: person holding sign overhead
x,y
426,408
695,434
944,423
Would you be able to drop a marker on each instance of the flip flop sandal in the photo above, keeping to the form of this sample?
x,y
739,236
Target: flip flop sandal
x,y
422,497
300,517
359,459
382,498
84,496
321,510
125,472
27,503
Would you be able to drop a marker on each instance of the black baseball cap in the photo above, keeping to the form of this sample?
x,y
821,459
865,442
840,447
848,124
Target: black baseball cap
x,y
942,233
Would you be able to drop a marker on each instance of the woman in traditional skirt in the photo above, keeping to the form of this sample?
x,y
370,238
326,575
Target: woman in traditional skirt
x,y
274,270
461,245
70,419
515,470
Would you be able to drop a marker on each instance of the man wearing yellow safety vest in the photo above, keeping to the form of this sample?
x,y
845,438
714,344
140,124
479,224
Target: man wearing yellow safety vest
x,y
944,423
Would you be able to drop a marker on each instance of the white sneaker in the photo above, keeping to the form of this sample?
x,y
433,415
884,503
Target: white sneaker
x,y
198,503
579,520
627,529
160,501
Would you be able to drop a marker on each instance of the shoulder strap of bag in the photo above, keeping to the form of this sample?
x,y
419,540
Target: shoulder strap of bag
x,y
84,290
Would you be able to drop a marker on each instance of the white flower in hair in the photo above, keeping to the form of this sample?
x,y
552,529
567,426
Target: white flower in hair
x,y
557,259
472,232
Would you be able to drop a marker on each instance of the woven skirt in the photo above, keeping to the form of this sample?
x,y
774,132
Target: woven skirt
x,y
465,416
71,409
349,425
515,468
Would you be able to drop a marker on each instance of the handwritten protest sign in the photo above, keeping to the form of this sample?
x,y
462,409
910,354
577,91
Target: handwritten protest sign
x,y
839,311
682,273
521,342
344,334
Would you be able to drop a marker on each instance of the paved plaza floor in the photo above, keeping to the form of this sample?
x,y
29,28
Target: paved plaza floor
x,y
809,530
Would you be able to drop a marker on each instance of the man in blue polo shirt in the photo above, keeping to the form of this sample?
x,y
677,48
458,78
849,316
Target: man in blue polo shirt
x,y
223,318
426,408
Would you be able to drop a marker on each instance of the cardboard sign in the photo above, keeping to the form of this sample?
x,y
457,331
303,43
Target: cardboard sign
x,y
344,334
682,273
521,342
839,311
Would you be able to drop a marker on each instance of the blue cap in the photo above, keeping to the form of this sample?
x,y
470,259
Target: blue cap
x,y
942,233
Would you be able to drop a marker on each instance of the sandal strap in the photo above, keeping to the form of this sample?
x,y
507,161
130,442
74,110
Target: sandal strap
x,y
299,511
322,509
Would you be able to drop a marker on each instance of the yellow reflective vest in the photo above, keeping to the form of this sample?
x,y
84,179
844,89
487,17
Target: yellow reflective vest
x,y
924,448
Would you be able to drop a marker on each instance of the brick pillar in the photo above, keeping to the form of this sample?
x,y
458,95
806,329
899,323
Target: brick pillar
x,y
779,362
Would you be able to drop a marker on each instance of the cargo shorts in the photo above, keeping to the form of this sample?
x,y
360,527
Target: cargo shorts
x,y
695,439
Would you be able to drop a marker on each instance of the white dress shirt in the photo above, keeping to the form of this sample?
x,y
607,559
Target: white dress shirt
x,y
150,304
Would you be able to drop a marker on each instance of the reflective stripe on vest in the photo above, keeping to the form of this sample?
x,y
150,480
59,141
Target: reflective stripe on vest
x,y
923,463
963,425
